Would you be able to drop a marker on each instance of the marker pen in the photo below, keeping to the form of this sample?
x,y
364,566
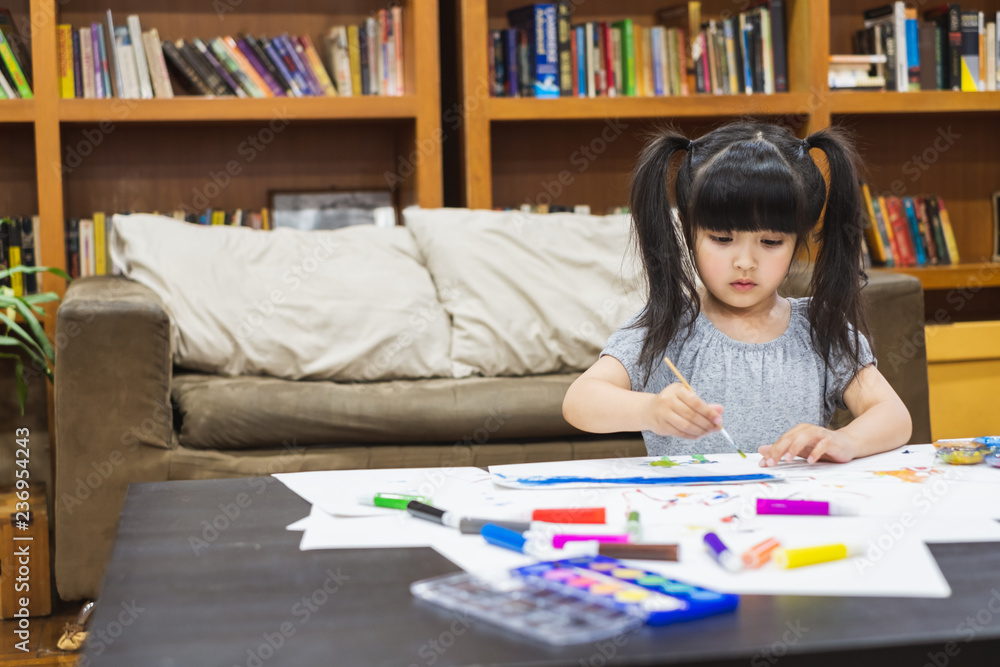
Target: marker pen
x,y
559,541
539,545
571,515
633,526
467,525
804,507
789,558
396,501
757,555
721,553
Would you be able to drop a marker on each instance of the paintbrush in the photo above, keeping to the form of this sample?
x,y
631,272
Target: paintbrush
x,y
725,434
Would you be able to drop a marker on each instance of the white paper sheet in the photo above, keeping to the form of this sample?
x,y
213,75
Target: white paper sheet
x,y
905,499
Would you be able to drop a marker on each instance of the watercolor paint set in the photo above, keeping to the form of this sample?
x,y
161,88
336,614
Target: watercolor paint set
x,y
574,600
610,582
526,608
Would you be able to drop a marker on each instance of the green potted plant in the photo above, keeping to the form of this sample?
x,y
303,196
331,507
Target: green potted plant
x,y
28,335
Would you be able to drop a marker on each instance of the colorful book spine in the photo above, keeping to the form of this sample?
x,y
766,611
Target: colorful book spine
x,y
181,65
67,86
872,232
914,229
271,49
220,69
287,55
141,62
254,62
320,72
539,22
949,233
354,57
14,69
115,67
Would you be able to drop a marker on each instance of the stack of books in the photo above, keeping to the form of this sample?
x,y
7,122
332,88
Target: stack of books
x,y
103,61
19,247
951,49
15,60
542,55
87,238
909,231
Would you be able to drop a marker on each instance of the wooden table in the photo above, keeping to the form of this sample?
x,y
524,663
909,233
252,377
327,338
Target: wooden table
x,y
204,573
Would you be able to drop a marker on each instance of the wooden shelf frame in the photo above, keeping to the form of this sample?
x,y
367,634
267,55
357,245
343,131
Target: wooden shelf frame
x,y
810,102
417,114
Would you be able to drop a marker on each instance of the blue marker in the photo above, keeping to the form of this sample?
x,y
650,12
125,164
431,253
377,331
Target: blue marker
x,y
721,553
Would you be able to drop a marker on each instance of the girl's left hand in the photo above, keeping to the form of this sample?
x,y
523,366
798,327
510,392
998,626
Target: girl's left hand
x,y
810,442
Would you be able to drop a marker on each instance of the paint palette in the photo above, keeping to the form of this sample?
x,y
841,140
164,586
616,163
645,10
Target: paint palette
x,y
609,582
527,608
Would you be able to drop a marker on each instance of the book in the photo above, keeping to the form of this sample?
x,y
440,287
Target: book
x,y
141,62
67,87
219,68
926,233
29,252
126,63
115,67
268,64
914,231
567,64
100,245
250,56
275,57
104,71
13,67
397,52
948,19
353,56
87,63
970,52
316,64
192,56
10,239
87,253
175,58
934,218
159,76
878,243
949,233
538,22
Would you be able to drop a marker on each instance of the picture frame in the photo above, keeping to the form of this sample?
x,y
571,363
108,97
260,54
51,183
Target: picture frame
x,y
319,209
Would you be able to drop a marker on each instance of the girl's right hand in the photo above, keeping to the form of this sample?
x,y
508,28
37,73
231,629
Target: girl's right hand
x,y
680,412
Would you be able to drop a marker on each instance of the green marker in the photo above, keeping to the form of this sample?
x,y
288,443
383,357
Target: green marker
x,y
395,501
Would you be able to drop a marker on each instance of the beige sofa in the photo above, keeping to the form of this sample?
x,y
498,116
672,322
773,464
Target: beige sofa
x,y
128,410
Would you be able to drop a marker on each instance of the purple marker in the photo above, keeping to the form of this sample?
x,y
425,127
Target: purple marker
x,y
721,553
803,507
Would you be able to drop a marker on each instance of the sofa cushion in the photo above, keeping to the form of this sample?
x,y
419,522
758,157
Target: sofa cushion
x,y
350,304
528,293
255,412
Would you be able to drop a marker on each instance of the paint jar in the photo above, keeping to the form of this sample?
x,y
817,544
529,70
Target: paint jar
x,y
961,451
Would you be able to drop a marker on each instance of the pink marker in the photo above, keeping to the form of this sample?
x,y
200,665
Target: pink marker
x,y
559,541
804,507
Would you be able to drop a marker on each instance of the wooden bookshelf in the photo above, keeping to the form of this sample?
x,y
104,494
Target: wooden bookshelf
x,y
514,149
71,157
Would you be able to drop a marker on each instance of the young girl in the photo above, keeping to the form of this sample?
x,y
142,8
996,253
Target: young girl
x,y
747,195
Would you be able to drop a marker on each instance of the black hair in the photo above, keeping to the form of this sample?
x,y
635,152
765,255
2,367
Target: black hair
x,y
749,176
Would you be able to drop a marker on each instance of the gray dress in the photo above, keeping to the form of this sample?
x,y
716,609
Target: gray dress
x,y
764,388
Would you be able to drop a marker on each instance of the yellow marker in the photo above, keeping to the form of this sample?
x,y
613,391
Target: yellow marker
x,y
789,558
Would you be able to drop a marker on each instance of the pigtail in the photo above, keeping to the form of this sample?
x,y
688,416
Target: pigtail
x,y
673,299
838,278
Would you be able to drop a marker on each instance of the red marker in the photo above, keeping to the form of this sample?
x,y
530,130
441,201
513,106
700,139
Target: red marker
x,y
572,515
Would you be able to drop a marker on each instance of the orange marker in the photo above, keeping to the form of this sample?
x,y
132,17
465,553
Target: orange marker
x,y
756,556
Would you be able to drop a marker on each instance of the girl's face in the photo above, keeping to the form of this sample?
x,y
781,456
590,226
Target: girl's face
x,y
743,269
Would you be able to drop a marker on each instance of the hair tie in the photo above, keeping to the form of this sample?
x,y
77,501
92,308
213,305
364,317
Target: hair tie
x,y
690,145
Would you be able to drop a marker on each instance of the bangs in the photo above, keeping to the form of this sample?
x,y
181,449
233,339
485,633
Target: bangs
x,y
748,187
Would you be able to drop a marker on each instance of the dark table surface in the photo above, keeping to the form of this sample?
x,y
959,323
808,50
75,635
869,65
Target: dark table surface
x,y
204,573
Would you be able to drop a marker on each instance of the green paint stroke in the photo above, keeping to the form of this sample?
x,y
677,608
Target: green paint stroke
x,y
664,462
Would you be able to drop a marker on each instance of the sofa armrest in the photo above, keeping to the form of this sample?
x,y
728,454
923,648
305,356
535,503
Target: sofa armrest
x,y
896,315
113,420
